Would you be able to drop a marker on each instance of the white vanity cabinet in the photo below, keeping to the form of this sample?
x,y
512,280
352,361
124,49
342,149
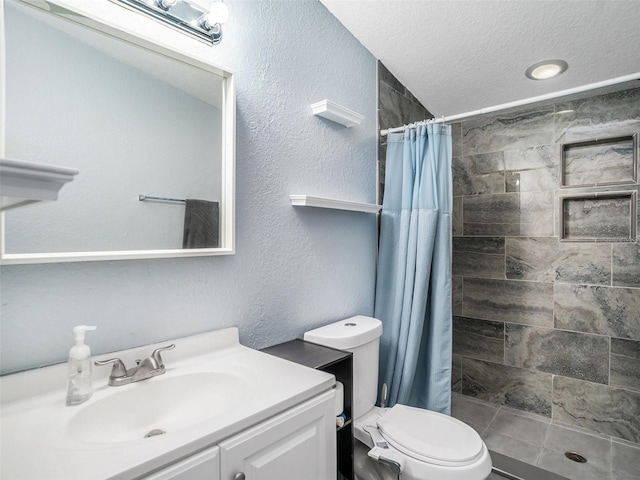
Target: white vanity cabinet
x,y
297,444
200,466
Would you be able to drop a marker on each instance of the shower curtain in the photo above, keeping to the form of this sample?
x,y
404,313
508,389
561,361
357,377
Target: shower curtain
x,y
413,286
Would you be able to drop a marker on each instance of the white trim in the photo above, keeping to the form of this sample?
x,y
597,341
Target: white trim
x,y
323,202
337,113
108,18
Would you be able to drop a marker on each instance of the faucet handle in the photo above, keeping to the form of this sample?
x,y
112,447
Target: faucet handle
x,y
118,370
156,354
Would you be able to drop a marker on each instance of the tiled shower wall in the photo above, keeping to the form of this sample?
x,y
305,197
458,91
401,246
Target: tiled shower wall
x,y
396,107
541,325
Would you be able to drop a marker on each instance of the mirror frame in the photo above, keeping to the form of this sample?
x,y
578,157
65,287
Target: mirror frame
x,y
128,34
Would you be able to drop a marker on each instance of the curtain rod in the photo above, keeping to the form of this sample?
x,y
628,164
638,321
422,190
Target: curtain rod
x,y
518,103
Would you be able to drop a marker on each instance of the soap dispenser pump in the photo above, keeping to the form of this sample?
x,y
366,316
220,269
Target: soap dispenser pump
x,y
79,388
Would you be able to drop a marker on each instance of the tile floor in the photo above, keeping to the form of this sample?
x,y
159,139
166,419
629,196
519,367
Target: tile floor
x,y
537,441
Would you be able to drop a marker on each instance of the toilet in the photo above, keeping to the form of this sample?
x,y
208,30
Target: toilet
x,y
424,445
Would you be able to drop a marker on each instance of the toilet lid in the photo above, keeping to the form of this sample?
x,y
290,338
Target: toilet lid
x,y
429,436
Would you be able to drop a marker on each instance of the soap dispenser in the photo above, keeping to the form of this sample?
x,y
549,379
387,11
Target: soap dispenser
x,y
79,388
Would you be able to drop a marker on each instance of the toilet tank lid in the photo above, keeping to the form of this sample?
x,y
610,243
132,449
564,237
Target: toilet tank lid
x,y
345,334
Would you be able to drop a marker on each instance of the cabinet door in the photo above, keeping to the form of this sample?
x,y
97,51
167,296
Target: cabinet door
x,y
201,466
298,444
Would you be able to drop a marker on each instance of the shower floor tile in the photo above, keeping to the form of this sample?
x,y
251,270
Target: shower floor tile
x,y
537,441
626,458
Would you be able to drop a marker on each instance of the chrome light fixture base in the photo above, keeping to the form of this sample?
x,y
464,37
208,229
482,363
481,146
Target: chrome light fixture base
x,y
184,16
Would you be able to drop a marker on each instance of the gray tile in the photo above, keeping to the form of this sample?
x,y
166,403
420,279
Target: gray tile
x,y
626,461
508,131
467,182
556,462
480,339
456,295
538,157
456,140
531,180
479,429
457,216
480,265
472,411
537,214
608,410
486,163
456,373
626,264
609,115
514,387
599,163
625,364
500,210
395,109
604,310
597,449
532,169
509,214
390,107
525,427
492,245
481,328
508,301
577,355
547,260
512,446
385,76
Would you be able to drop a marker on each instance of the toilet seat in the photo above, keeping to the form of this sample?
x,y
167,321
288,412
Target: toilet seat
x,y
430,437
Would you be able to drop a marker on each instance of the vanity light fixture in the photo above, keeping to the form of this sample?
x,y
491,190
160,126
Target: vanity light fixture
x,y
201,19
546,69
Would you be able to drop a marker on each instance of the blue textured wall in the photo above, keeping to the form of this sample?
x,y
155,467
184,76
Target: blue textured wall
x,y
294,268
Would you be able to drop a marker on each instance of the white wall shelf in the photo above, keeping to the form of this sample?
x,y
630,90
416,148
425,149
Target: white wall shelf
x,y
337,113
25,182
322,202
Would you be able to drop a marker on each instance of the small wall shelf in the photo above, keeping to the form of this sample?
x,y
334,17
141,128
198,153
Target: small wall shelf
x,y
337,113
26,182
321,202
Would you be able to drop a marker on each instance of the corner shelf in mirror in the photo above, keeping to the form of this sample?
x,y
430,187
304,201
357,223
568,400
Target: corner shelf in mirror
x,y
337,113
322,202
23,182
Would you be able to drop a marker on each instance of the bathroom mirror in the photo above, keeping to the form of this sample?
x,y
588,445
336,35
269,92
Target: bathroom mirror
x,y
151,131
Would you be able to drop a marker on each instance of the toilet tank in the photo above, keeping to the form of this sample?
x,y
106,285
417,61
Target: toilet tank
x,y
361,336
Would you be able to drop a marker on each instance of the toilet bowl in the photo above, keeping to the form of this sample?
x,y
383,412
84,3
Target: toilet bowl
x,y
428,445
433,446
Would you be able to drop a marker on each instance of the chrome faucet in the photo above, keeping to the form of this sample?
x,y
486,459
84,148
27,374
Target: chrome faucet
x,y
147,368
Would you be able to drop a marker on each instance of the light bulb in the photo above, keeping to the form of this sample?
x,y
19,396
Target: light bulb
x,y
546,69
218,13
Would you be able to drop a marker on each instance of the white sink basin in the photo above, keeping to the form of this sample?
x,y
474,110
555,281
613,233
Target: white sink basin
x,y
156,406
213,388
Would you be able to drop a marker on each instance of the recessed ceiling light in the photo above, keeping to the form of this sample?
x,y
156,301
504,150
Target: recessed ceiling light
x,y
546,69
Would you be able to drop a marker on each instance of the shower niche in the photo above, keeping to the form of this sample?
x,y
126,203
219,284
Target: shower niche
x,y
603,205
609,161
599,217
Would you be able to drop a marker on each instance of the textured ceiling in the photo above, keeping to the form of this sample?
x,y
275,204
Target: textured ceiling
x,y
458,56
